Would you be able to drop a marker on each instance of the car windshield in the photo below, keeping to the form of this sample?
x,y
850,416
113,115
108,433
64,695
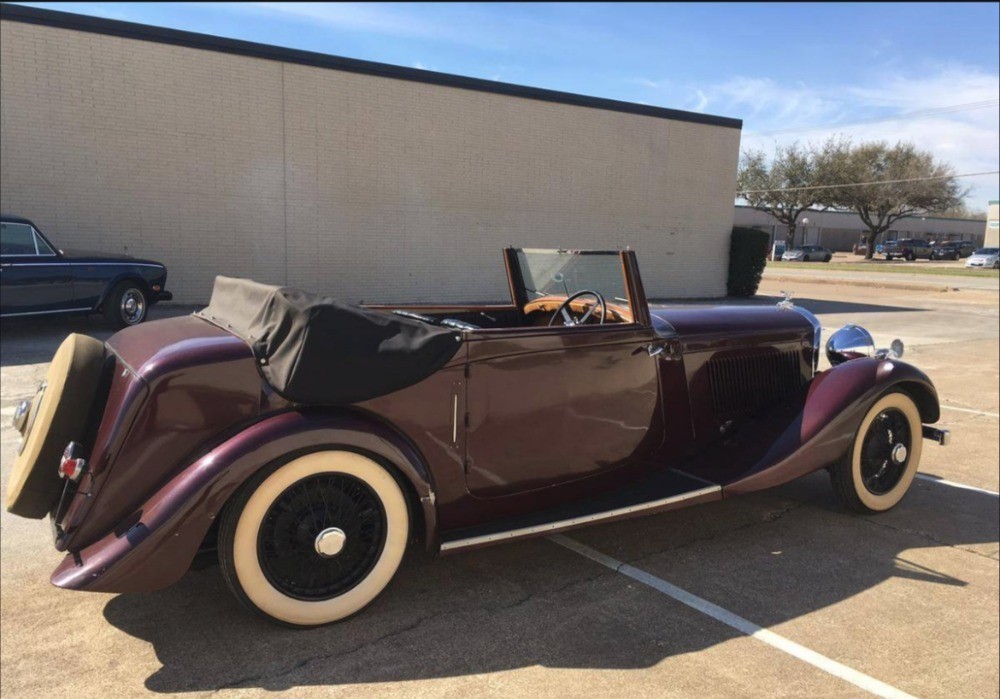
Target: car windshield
x,y
565,272
988,251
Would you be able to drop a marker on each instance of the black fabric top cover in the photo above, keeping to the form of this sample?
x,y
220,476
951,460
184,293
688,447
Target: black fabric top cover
x,y
315,349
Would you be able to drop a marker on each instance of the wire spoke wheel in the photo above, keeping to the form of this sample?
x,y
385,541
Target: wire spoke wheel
x,y
288,542
885,452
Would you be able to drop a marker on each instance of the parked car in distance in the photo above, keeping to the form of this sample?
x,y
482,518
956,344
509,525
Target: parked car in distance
x,y
907,249
965,247
807,253
988,258
305,442
951,250
37,278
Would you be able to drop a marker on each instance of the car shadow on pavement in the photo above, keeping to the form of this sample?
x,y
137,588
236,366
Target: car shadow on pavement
x,y
35,340
537,604
826,306
818,306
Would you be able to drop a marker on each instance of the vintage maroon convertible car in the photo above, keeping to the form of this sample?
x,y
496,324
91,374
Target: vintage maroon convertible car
x,y
309,441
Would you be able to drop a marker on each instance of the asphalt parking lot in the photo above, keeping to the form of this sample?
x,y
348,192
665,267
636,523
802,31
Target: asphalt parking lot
x,y
782,593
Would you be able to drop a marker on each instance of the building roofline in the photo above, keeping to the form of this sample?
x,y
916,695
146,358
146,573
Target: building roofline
x,y
855,213
208,42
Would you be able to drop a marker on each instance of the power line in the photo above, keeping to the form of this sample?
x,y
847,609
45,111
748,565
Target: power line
x,y
934,111
862,184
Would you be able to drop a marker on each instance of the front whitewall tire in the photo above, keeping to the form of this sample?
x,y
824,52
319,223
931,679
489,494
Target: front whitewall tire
x,y
846,476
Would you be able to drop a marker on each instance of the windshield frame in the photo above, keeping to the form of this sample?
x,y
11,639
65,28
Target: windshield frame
x,y
631,282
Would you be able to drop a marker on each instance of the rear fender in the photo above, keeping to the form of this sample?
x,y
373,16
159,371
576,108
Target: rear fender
x,y
824,428
162,538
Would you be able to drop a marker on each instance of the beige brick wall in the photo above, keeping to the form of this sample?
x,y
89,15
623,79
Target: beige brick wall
x,y
362,187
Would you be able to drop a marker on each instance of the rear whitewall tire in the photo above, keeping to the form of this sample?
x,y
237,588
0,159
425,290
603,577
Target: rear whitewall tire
x,y
241,525
846,476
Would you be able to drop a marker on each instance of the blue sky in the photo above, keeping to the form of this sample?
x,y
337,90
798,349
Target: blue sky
x,y
791,71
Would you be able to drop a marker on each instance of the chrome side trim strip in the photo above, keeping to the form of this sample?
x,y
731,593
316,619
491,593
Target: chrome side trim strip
x,y
45,313
564,523
123,263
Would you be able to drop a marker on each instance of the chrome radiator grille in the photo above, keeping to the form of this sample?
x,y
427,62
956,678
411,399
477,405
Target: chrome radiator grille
x,y
750,381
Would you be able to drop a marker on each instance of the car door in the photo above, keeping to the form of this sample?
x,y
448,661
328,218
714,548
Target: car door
x,y
549,405
33,278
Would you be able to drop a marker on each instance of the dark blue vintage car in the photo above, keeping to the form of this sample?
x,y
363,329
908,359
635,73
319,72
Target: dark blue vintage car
x,y
37,278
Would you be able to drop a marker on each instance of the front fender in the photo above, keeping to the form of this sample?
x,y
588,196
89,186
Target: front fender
x,y
824,426
158,548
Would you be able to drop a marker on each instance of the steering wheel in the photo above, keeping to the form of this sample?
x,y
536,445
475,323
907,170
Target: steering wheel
x,y
563,309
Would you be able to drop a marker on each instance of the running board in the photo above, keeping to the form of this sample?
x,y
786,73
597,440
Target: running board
x,y
665,490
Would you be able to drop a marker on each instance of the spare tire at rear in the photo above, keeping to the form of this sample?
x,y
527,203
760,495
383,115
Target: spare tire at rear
x,y
58,415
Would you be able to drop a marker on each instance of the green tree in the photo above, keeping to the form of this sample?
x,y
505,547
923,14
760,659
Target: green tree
x,y
775,187
884,184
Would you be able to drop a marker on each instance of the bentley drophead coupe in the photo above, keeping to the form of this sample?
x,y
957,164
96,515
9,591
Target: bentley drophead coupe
x,y
308,441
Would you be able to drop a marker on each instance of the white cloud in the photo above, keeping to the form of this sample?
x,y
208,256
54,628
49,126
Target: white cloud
x,y
969,140
702,101
646,82
365,17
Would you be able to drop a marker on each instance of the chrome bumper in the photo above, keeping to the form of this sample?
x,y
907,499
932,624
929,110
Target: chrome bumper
x,y
942,437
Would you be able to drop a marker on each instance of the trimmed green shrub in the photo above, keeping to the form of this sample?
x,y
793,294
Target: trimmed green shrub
x,y
748,249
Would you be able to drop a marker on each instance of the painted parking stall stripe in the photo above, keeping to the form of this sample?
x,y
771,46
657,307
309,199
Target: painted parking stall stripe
x,y
832,667
953,484
969,410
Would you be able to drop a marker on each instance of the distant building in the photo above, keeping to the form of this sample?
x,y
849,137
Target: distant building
x,y
992,237
839,230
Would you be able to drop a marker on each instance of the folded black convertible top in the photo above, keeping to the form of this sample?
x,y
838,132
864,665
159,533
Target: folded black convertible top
x,y
315,349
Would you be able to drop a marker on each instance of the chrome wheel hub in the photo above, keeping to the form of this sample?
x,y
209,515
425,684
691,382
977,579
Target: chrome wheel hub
x,y
133,306
330,542
899,453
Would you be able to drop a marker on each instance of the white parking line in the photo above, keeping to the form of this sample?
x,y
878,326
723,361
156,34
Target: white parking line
x,y
970,410
858,679
953,484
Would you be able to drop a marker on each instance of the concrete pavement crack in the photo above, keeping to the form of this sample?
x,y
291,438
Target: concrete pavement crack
x,y
922,534
272,676
267,676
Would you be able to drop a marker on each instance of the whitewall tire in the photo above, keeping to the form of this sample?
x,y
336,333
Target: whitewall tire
x,y
882,462
316,539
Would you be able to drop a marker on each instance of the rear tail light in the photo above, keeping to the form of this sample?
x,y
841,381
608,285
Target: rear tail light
x,y
72,464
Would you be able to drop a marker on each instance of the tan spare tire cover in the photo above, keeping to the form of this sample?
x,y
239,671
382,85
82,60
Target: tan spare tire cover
x,y
58,415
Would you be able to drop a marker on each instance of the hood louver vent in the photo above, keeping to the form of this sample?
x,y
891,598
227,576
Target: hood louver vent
x,y
748,382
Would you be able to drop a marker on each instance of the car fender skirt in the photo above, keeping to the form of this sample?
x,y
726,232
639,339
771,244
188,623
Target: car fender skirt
x,y
158,546
831,410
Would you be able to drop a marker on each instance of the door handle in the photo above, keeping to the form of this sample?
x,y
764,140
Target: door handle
x,y
670,349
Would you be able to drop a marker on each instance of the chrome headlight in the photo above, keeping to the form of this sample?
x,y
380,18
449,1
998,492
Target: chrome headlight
x,y
850,342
